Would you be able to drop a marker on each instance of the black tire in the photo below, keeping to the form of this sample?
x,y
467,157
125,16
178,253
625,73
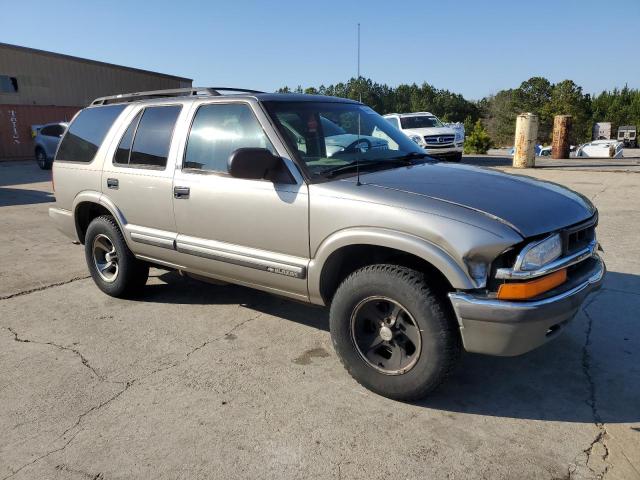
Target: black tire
x,y
438,330
129,275
41,159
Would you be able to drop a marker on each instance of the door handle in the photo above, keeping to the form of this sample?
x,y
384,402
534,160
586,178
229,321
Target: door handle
x,y
181,192
112,183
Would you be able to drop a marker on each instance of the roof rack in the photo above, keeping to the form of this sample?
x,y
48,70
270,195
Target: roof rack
x,y
173,92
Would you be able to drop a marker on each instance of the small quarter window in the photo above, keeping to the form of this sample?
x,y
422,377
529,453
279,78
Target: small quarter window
x,y
153,136
217,131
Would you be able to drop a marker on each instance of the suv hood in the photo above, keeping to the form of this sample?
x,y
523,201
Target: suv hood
x,y
531,207
430,131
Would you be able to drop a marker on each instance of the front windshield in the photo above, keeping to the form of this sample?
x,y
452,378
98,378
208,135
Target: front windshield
x,y
420,121
331,135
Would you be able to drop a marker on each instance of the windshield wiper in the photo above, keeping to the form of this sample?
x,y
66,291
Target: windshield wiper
x,y
368,164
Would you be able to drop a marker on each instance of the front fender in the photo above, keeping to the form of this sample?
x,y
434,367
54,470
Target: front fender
x,y
383,237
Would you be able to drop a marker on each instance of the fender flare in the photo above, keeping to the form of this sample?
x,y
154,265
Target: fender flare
x,y
382,237
90,196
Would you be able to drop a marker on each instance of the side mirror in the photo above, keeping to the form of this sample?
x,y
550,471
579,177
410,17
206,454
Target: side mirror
x,y
258,164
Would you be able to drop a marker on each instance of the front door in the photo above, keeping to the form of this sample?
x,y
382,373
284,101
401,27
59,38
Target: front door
x,y
253,232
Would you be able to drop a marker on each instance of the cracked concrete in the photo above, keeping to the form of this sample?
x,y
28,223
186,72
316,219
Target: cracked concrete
x,y
194,380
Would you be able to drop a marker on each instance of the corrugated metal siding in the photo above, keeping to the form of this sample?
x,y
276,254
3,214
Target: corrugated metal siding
x,y
16,122
45,78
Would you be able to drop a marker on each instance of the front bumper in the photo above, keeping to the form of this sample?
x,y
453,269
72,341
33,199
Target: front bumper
x,y
508,328
448,151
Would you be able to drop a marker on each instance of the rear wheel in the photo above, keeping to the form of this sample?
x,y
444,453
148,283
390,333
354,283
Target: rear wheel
x,y
392,333
113,267
41,158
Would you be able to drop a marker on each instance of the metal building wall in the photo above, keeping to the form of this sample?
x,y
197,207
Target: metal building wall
x,y
46,78
15,127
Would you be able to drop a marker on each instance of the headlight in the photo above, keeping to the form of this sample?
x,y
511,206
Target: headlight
x,y
459,136
418,139
536,255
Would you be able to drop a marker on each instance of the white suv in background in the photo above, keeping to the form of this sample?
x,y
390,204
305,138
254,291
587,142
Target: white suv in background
x,y
424,128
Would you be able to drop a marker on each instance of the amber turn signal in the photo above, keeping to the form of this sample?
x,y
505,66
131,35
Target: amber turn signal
x,y
524,290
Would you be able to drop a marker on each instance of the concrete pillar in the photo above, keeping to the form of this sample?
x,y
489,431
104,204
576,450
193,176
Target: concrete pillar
x,y
561,130
525,144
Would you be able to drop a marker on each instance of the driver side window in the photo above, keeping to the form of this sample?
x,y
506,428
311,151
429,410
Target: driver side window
x,y
217,131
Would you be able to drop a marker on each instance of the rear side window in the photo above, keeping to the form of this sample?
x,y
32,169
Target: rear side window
x,y
52,131
147,139
86,133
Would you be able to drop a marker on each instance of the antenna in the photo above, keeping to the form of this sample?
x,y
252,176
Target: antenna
x,y
360,99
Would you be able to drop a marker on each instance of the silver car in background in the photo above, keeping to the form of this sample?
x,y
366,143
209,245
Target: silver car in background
x,y
46,143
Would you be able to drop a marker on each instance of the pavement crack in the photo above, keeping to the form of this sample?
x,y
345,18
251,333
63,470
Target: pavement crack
x,y
43,287
75,351
41,457
599,445
134,381
115,396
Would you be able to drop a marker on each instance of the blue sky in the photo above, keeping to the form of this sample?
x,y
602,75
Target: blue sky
x,y
471,47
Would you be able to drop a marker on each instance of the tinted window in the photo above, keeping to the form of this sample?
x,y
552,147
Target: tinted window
x,y
124,147
87,132
153,136
52,131
420,122
393,121
217,131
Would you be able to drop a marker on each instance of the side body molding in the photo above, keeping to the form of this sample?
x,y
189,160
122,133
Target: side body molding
x,y
382,237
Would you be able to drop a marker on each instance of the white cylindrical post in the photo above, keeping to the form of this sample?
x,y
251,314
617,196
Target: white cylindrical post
x,y
525,143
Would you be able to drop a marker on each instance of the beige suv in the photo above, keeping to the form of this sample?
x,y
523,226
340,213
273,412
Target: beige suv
x,y
320,199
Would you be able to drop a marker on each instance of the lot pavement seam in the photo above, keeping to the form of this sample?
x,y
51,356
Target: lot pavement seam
x,y
43,287
83,359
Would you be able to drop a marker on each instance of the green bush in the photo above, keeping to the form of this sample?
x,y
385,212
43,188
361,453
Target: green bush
x,y
478,141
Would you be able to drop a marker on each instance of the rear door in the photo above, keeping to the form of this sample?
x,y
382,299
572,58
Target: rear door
x,y
138,174
254,232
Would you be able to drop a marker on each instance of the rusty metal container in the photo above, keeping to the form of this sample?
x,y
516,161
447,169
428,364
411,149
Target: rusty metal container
x,y
525,142
560,144
16,141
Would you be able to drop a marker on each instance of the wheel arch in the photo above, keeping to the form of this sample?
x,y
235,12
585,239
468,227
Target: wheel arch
x,y
89,205
347,250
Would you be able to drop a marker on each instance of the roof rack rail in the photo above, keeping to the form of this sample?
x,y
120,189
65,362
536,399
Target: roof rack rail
x,y
173,92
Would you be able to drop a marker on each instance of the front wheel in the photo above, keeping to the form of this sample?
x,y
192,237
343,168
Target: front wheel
x,y
457,157
113,267
393,334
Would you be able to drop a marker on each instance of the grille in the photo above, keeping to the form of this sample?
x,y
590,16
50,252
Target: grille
x,y
439,139
579,236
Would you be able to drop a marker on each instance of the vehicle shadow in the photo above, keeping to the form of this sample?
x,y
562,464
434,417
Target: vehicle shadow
x,y
588,374
19,196
22,172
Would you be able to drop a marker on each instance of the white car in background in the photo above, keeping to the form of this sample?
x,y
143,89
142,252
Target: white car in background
x,y
424,128
601,149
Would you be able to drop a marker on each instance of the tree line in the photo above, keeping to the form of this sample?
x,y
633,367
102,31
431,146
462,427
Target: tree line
x,y
497,112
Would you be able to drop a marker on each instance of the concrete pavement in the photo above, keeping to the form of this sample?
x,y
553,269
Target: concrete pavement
x,y
202,381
